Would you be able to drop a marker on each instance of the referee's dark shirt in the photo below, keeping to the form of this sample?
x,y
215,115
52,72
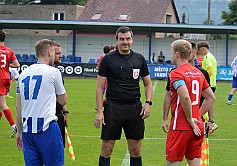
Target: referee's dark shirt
x,y
123,78
59,107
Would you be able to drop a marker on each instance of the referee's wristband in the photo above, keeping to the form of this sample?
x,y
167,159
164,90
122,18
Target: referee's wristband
x,y
65,112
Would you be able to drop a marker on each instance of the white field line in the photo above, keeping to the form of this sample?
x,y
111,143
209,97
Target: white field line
x,y
126,159
154,138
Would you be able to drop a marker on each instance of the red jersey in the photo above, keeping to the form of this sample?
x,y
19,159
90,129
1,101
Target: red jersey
x,y
200,61
101,57
195,83
99,62
6,56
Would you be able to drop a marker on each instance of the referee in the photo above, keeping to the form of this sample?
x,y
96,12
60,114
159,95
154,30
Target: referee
x,y
123,109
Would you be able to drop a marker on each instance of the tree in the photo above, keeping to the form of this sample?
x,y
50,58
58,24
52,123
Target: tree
x,y
183,19
231,16
206,22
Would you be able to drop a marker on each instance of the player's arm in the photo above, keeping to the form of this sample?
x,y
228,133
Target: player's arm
x,y
208,103
166,108
62,99
185,101
99,100
14,64
65,113
18,122
209,70
148,93
61,93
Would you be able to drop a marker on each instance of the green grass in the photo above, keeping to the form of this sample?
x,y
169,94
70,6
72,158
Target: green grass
x,y
86,139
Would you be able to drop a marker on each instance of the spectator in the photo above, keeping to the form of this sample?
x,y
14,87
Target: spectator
x,y
153,57
161,58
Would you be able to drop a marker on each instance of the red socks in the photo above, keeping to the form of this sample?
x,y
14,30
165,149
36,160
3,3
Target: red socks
x,y
8,116
0,115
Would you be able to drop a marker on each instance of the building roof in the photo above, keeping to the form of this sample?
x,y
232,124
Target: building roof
x,y
152,11
111,27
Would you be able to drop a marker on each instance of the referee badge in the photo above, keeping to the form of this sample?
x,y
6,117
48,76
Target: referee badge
x,y
136,73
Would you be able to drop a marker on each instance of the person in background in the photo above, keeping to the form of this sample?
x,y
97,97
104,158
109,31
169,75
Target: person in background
x,y
112,48
210,65
234,81
61,111
106,50
7,59
14,74
161,58
199,58
38,88
153,57
123,109
186,132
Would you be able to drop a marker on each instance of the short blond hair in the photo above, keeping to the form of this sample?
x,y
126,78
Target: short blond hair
x,y
42,47
183,47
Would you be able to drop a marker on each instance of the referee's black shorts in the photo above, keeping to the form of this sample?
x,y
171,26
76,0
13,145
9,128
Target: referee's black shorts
x,y
126,116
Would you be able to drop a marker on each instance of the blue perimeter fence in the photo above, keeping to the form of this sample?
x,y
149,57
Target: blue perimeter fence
x,y
156,71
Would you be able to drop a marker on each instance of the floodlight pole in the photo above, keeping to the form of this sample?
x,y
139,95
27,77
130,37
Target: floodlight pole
x,y
187,11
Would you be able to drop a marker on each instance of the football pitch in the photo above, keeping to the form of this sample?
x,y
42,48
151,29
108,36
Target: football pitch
x,y
86,138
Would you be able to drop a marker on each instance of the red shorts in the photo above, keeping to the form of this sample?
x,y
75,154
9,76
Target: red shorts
x,y
4,86
182,143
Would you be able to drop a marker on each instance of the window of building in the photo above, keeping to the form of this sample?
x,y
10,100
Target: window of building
x,y
96,16
123,17
58,16
168,18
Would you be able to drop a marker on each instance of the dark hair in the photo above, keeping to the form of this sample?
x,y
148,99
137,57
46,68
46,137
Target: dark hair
x,y
203,44
106,49
2,36
193,45
123,30
112,47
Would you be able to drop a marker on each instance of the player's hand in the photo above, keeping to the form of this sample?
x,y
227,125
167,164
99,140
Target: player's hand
x,y
146,111
194,126
165,126
99,119
209,127
66,120
19,141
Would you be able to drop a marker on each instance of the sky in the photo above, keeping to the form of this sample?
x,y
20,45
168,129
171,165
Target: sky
x,y
198,12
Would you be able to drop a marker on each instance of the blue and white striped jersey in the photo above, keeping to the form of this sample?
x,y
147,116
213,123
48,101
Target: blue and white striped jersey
x,y
234,67
38,86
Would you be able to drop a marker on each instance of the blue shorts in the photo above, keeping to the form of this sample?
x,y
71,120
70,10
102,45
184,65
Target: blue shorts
x,y
234,82
44,148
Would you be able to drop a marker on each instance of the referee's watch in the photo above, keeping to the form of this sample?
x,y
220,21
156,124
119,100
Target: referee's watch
x,y
149,102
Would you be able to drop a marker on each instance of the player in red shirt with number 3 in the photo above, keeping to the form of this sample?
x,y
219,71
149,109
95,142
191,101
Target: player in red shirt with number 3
x,y
7,59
